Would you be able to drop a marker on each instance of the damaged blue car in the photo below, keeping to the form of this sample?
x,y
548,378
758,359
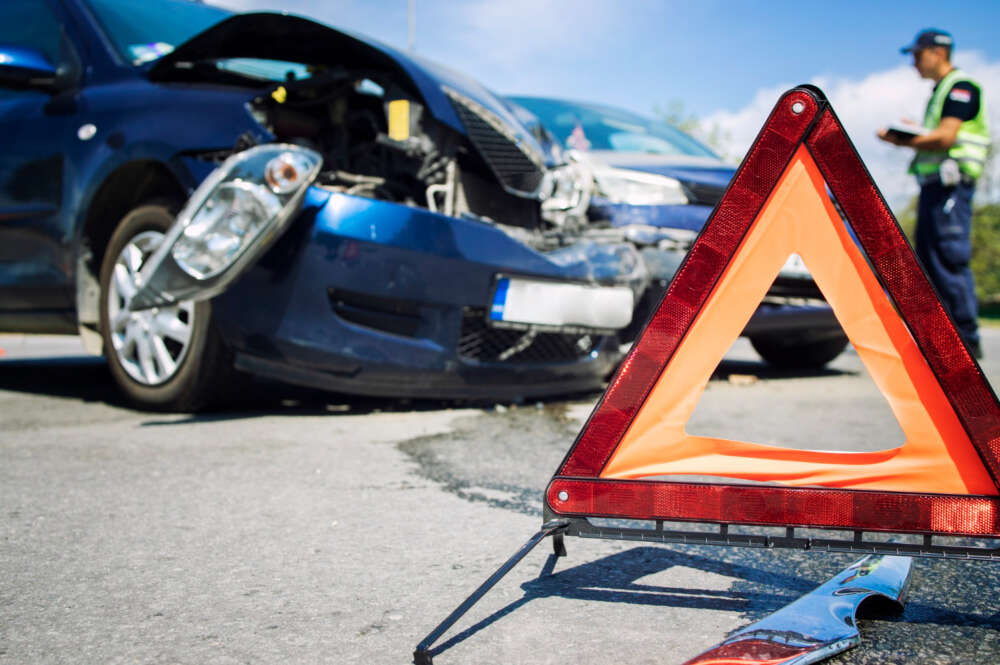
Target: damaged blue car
x,y
200,194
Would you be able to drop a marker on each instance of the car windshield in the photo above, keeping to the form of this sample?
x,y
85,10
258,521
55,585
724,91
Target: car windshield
x,y
594,127
144,31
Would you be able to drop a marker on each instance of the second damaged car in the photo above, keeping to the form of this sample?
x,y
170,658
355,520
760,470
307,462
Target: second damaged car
x,y
263,193
656,186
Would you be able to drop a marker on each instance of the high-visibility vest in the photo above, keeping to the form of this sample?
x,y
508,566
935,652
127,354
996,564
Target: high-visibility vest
x,y
973,141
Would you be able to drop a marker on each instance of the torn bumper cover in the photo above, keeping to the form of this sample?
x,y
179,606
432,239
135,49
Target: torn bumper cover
x,y
351,294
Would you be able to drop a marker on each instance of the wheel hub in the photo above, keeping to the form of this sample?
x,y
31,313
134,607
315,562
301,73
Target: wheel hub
x,y
150,344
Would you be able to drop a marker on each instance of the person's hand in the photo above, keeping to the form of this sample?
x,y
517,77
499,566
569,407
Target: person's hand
x,y
892,137
886,136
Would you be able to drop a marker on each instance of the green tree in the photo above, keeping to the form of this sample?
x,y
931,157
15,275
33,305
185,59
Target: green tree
x,y
986,252
985,261
676,114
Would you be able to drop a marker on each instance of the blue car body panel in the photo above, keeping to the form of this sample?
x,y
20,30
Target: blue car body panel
x,y
718,176
688,217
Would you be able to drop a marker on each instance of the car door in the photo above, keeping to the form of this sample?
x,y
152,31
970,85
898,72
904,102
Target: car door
x,y
36,126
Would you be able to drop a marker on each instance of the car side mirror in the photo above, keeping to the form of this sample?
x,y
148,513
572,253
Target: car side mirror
x,y
24,68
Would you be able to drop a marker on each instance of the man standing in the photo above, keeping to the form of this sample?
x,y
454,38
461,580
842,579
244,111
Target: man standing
x,y
951,152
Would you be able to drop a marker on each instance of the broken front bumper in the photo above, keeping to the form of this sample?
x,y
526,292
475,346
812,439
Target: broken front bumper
x,y
376,298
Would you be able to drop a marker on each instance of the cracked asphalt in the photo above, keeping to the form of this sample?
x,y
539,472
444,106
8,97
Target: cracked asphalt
x,y
313,528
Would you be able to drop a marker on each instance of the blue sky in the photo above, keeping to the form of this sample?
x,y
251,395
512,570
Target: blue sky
x,y
713,54
725,60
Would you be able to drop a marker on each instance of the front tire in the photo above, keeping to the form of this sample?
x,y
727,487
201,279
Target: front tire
x,y
788,352
165,358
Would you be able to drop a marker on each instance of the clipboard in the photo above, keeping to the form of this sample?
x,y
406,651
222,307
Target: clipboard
x,y
906,131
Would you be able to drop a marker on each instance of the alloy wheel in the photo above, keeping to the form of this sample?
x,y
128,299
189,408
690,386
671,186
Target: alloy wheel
x,y
151,344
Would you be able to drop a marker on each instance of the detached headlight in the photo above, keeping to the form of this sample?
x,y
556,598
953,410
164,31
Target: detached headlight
x,y
638,188
229,221
234,214
247,198
566,192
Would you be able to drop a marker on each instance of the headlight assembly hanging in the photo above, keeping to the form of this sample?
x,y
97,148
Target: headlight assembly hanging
x,y
229,221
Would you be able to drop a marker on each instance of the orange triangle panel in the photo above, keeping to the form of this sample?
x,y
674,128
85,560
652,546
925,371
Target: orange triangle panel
x,y
942,480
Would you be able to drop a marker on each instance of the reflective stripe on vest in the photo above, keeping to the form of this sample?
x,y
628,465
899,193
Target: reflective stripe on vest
x,y
972,142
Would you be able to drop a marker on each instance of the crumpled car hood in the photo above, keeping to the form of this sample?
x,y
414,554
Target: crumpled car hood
x,y
290,38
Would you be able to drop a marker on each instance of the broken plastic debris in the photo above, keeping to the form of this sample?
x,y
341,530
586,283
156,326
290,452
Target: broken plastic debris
x,y
742,379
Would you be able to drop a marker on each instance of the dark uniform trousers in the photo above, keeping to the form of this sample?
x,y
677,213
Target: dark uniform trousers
x,y
944,224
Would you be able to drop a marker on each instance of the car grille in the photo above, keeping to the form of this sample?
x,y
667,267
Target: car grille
x,y
512,163
702,194
483,343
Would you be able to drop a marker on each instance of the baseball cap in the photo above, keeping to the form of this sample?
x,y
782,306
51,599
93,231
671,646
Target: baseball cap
x,y
927,38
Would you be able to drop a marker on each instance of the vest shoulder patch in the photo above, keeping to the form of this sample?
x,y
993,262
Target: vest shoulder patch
x,y
960,95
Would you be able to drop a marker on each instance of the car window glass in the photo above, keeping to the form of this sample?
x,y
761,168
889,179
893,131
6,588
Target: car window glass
x,y
30,23
144,31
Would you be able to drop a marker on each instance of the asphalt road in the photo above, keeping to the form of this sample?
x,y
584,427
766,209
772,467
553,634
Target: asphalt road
x,y
303,528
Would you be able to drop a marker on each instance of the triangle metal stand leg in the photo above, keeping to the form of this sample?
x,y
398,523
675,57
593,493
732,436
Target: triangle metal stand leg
x,y
554,528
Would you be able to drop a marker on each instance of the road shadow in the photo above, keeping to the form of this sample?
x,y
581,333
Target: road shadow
x,y
261,397
617,579
87,379
84,378
727,368
762,586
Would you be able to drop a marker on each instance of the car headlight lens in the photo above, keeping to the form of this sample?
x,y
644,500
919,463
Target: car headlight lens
x,y
234,214
638,188
248,197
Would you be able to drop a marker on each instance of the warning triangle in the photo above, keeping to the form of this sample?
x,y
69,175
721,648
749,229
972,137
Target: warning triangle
x,y
942,480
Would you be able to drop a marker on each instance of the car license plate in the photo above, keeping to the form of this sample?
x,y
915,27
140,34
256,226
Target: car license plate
x,y
537,302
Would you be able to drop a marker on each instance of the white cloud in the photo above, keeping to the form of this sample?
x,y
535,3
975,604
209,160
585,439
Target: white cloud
x,y
525,32
863,106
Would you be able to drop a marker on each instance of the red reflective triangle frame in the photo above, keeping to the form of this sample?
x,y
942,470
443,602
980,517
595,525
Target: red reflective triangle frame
x,y
801,118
